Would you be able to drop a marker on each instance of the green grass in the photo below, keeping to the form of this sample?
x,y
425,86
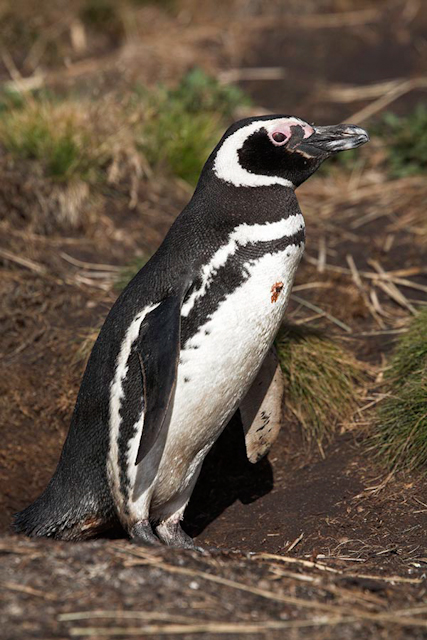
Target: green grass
x,y
199,92
10,99
401,438
179,142
405,139
183,124
55,135
322,380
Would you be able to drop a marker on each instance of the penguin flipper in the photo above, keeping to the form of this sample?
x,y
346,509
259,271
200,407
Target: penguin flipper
x,y
158,353
261,408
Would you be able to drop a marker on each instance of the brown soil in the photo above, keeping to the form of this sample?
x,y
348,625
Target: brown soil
x,y
351,539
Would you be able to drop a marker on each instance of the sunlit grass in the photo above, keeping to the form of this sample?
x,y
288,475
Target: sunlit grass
x,y
58,136
173,129
322,380
401,438
178,142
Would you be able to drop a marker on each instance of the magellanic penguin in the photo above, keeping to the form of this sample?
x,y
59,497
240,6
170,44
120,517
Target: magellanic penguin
x,y
189,341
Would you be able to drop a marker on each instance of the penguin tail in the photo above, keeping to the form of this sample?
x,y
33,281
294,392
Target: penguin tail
x,y
63,517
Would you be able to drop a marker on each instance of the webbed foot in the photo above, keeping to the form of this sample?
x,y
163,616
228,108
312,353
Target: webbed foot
x,y
172,534
142,534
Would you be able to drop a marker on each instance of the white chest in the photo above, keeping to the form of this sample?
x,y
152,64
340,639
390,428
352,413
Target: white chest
x,y
220,361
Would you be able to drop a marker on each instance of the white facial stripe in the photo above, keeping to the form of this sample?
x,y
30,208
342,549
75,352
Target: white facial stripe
x,y
227,166
240,236
116,396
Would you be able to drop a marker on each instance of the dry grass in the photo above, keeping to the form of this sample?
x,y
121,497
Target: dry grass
x,y
61,157
129,271
86,341
47,32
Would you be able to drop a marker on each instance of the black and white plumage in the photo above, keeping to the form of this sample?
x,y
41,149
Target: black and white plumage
x,y
189,341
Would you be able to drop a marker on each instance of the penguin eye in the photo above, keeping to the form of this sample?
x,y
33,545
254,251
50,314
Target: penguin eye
x,y
279,137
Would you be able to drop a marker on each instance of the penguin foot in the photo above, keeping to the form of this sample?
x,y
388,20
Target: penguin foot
x,y
171,534
142,534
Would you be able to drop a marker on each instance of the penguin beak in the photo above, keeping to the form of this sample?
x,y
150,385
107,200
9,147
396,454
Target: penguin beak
x,y
331,139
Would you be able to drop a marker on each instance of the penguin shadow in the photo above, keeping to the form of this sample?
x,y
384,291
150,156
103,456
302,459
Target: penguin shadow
x,y
226,476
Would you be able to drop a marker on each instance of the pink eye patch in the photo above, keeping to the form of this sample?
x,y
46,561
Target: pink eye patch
x,y
286,129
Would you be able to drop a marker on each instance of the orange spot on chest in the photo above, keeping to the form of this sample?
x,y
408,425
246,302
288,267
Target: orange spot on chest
x,y
275,291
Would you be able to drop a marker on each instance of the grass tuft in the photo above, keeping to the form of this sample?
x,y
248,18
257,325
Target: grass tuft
x,y
179,142
55,135
62,157
321,380
401,439
183,124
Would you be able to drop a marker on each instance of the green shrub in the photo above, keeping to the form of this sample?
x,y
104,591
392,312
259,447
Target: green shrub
x,y
401,438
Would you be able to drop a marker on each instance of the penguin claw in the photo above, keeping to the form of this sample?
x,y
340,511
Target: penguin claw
x,y
202,551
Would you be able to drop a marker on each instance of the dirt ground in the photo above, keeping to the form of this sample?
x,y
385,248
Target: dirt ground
x,y
302,544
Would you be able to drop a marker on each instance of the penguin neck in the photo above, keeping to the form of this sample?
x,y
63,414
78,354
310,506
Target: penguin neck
x,y
231,205
218,218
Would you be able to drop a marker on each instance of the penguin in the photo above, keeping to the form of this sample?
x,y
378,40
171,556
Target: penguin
x,y
189,341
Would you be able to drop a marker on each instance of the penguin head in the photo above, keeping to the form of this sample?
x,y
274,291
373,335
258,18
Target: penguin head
x,y
279,149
